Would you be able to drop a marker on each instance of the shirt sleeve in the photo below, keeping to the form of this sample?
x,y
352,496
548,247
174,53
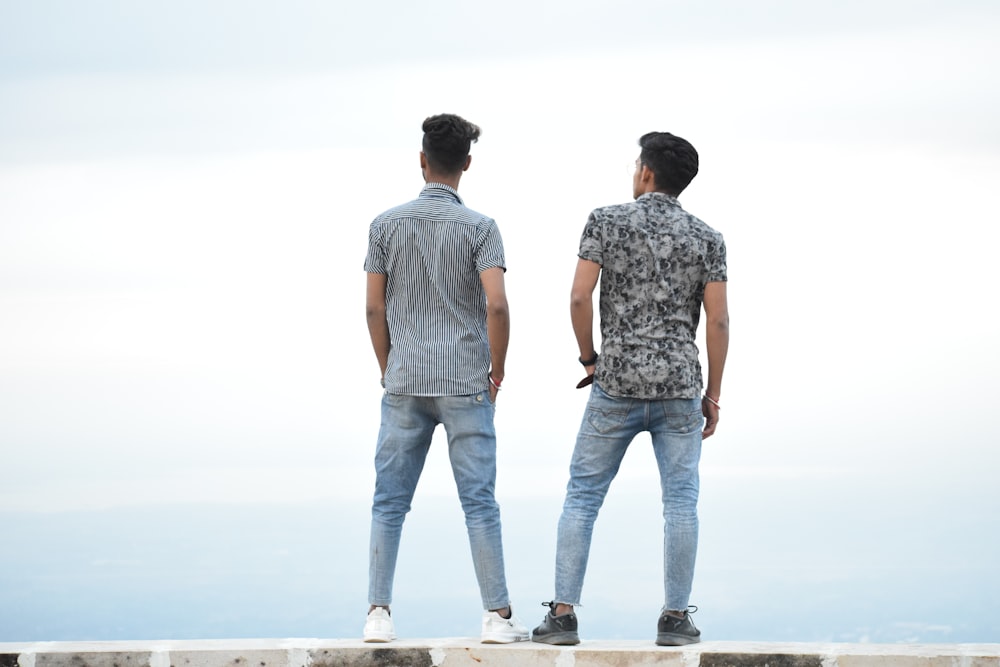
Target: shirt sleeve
x,y
716,263
490,252
375,259
592,240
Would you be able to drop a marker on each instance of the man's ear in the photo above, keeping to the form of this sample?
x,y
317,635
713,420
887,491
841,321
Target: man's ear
x,y
423,160
646,176
468,161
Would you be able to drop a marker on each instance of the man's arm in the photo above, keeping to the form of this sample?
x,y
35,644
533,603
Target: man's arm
x,y
497,323
378,325
717,347
581,307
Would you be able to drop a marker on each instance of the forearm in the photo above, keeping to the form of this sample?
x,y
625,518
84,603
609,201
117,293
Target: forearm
x,y
581,312
378,329
498,333
717,347
581,307
375,313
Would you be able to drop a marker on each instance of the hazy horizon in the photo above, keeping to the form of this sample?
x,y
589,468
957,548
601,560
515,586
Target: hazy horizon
x,y
847,572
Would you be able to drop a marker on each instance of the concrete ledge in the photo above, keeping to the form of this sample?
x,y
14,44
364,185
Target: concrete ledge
x,y
470,653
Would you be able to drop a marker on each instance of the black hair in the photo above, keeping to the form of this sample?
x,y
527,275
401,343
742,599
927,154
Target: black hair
x,y
447,139
673,161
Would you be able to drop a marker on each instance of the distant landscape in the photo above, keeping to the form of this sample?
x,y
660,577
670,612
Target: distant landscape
x,y
192,572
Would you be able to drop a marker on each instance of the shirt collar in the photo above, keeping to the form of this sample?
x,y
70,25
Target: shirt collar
x,y
658,195
441,191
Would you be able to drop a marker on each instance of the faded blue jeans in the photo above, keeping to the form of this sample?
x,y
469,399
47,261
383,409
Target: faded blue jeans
x,y
608,427
404,438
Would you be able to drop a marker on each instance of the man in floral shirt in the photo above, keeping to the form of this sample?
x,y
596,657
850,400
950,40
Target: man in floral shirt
x,y
658,267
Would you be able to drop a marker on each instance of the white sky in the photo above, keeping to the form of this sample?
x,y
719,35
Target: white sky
x,y
185,194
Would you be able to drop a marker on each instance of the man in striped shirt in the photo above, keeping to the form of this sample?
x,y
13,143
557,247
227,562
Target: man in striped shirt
x,y
438,319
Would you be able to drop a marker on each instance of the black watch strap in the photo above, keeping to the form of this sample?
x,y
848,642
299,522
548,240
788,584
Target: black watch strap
x,y
589,362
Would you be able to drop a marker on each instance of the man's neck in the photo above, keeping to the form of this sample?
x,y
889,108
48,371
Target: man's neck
x,y
449,180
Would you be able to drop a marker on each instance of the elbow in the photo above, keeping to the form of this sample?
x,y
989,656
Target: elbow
x,y
579,299
374,313
498,309
719,324
497,306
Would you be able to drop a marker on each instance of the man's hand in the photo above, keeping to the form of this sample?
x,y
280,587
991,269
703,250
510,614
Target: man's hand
x,y
711,412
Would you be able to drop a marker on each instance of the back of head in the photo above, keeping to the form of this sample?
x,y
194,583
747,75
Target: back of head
x,y
447,139
673,161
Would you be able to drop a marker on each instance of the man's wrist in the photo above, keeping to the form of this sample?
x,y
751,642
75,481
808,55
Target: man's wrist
x,y
591,361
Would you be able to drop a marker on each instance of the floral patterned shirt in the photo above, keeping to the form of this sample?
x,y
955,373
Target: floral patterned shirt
x,y
655,260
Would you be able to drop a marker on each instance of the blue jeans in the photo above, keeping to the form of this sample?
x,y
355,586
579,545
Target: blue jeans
x,y
609,425
404,438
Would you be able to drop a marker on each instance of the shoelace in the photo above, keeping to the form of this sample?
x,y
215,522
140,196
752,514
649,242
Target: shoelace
x,y
692,609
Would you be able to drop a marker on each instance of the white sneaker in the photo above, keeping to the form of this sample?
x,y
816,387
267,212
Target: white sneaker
x,y
378,627
500,630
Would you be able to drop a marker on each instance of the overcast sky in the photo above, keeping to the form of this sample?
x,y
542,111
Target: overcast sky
x,y
185,191
185,194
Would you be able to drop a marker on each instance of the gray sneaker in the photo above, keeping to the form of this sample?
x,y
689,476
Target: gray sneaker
x,y
557,630
673,631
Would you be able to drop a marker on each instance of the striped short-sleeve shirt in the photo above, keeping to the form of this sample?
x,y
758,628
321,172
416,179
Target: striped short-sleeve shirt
x,y
432,251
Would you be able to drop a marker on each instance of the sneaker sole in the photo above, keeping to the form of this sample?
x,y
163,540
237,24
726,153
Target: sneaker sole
x,y
378,638
503,639
558,638
665,639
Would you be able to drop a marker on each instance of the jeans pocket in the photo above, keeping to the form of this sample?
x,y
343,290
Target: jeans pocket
x,y
606,414
394,400
478,401
682,415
